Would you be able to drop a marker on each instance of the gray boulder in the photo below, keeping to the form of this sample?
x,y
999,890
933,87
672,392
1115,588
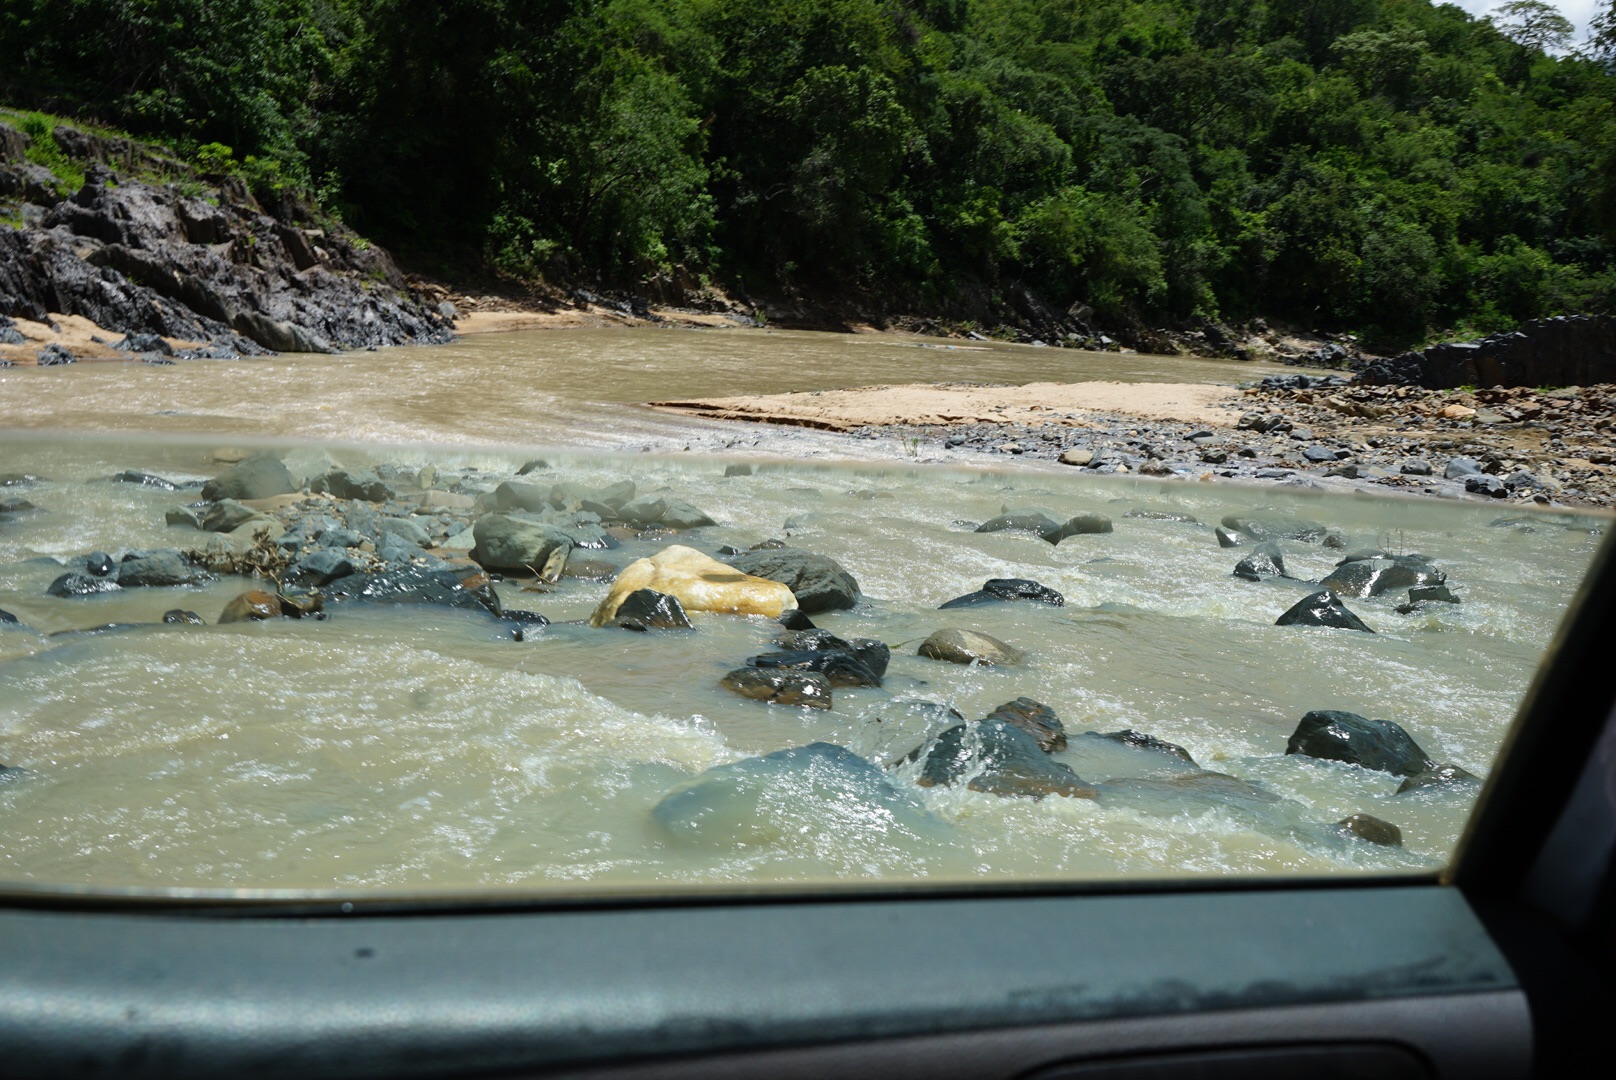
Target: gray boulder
x,y
999,758
819,582
1331,735
160,569
970,647
352,484
261,476
511,544
1265,560
1322,609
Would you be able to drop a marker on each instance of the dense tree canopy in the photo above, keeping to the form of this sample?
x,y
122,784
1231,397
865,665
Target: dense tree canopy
x,y
1391,165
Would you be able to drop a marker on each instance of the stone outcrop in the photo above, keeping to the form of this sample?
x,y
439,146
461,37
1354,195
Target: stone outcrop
x,y
1575,350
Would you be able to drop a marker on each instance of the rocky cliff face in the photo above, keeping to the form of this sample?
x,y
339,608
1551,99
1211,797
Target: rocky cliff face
x,y
201,263
1576,350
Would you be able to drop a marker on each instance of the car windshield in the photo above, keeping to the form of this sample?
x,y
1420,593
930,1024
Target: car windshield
x,y
430,671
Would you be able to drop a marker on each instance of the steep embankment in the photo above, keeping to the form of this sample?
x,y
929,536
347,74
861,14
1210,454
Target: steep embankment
x,y
142,246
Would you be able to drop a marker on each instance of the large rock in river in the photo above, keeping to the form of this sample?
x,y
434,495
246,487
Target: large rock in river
x,y
808,689
261,476
1036,719
1371,577
465,588
1004,590
511,544
1275,527
647,609
1321,609
970,647
819,582
160,569
1373,744
700,583
793,795
1001,759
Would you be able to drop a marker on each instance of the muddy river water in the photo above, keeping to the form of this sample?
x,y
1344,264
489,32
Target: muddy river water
x,y
419,748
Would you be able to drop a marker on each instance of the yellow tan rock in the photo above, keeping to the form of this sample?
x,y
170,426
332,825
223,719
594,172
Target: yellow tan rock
x,y
700,583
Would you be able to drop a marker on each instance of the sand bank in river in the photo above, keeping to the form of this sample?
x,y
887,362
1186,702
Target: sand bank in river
x,y
1070,404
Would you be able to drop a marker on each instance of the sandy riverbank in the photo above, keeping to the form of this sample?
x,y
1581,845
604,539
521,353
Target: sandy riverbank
x,y
946,404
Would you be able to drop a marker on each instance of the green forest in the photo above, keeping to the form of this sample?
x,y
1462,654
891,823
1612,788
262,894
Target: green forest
x,y
1394,167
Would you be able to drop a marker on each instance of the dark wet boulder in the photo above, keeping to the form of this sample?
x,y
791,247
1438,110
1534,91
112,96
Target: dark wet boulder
x,y
1322,609
1450,777
1006,590
160,569
969,647
784,797
1265,560
647,609
523,622
1036,719
794,619
1434,593
808,689
55,355
181,617
1228,538
1081,525
76,584
819,582
253,606
999,758
1028,521
513,545
227,515
841,666
1332,735
515,495
8,619
261,476
362,484
461,588
1372,577
1140,741
1275,527
1370,829
873,654
341,537
323,566
99,564
145,479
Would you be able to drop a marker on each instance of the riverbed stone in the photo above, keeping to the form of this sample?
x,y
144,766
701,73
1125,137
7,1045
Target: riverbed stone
x,y
361,484
1036,719
1369,828
970,647
227,515
1458,468
1086,524
1371,577
182,617
183,516
1138,740
1322,609
1440,777
1416,467
819,582
840,666
406,530
514,545
261,476
681,515
1028,521
1000,759
76,584
1333,735
700,582
805,689
462,587
1228,538
1007,590
8,619
99,564
874,655
1275,527
323,566
1077,456
252,606
516,495
783,796
645,510
161,569
1265,560
647,609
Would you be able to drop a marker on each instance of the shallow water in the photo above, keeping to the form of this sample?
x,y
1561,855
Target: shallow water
x,y
422,749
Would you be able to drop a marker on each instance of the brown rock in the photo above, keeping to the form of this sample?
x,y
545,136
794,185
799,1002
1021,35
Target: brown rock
x,y
252,607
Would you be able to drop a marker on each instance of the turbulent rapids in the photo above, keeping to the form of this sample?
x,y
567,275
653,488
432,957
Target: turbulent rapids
x,y
428,670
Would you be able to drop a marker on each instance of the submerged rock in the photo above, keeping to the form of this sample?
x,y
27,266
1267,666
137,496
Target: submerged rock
x,y
76,584
647,609
463,588
1000,590
253,606
1214,786
700,583
181,617
1036,719
1322,609
359,484
8,619
261,476
839,666
1028,521
1228,538
1440,776
1140,741
1081,525
1332,735
160,569
819,582
808,689
1371,829
999,758
970,647
1275,527
99,564
1371,577
1265,560
797,792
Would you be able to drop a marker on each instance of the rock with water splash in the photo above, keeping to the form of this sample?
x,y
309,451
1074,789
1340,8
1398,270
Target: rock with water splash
x,y
1322,609
1275,527
808,689
253,606
1370,829
1372,576
261,476
999,758
798,792
76,584
1138,740
1028,521
8,619
460,587
1007,590
1265,560
839,666
699,582
819,582
1036,719
360,484
1441,777
513,545
1332,735
970,647
182,617
1081,525
647,609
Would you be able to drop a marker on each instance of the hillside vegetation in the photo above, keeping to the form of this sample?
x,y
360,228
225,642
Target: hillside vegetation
x,y
1390,166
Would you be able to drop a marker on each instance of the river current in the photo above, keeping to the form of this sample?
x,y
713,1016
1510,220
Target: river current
x,y
419,749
